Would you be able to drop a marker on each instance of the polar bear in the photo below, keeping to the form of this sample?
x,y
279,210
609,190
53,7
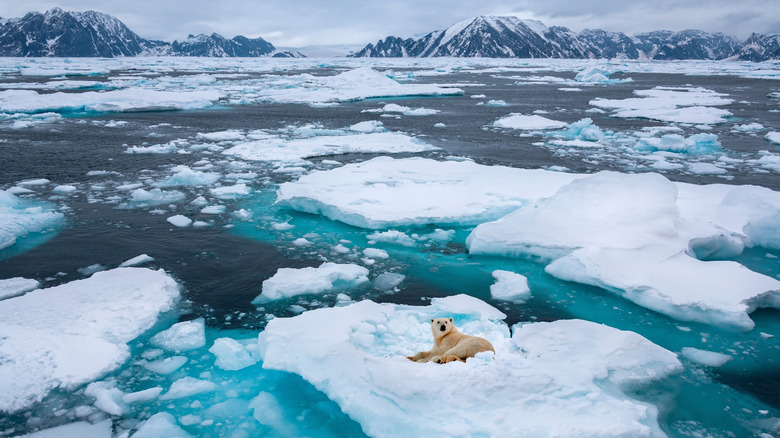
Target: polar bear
x,y
449,344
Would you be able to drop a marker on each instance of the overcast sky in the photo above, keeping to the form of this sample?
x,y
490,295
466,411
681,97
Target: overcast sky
x,y
298,23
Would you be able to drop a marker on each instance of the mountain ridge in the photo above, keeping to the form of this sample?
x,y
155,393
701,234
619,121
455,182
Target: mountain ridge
x,y
511,37
61,33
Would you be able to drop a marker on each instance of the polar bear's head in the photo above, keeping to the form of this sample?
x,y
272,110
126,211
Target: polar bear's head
x,y
441,326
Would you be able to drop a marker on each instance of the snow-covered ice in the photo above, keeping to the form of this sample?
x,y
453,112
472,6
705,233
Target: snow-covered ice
x,y
510,286
29,101
71,334
675,105
547,379
289,282
704,357
182,336
20,217
13,287
231,355
180,221
80,429
528,123
386,192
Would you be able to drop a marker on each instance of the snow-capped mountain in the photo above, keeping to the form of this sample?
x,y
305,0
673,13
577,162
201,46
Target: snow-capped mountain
x,y
760,47
90,33
512,37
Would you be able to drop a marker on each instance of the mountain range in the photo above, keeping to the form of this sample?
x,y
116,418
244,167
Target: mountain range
x,y
90,33
512,37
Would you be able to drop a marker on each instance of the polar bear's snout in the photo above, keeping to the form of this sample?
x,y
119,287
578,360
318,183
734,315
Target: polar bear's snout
x,y
443,327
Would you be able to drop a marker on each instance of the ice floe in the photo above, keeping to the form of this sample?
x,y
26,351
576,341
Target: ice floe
x,y
528,123
13,287
289,282
71,334
676,105
386,192
564,378
510,286
20,217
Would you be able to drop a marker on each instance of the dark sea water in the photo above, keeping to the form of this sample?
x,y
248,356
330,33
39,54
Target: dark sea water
x,y
223,265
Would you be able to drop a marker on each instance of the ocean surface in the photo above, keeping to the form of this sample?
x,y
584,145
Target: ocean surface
x,y
223,262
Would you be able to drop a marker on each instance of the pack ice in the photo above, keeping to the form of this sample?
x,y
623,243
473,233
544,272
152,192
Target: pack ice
x,y
133,99
566,378
661,244
65,336
19,217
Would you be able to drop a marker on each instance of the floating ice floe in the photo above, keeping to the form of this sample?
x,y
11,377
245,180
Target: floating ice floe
x,y
182,336
386,192
180,221
358,84
773,137
510,286
295,151
566,378
675,105
28,101
290,282
599,75
647,239
405,110
528,123
20,217
79,429
13,287
71,334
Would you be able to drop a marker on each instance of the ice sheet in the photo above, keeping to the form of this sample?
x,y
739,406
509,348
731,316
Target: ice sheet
x,y
385,192
548,379
71,334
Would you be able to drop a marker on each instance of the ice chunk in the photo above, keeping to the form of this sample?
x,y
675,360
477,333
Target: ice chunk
x,y
138,260
161,425
185,176
604,209
383,192
773,137
20,217
583,129
388,281
599,75
295,151
695,144
74,333
180,221
156,197
213,209
142,396
182,336
108,398
166,365
704,357
13,287
132,99
510,286
677,105
188,386
289,282
405,110
231,192
392,236
548,379
527,123
360,83
666,280
231,355
375,253
268,412
81,429
368,126
64,189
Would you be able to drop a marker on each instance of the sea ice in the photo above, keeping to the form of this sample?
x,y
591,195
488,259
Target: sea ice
x,y
358,84
166,365
81,429
631,234
564,378
296,151
289,282
13,287
510,286
74,333
134,99
188,386
528,123
185,176
695,144
385,192
137,260
182,336
773,137
231,355
161,425
155,196
20,217
704,357
676,105
180,221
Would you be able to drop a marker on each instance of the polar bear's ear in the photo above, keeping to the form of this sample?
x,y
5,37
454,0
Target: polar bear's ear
x,y
450,319
431,320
